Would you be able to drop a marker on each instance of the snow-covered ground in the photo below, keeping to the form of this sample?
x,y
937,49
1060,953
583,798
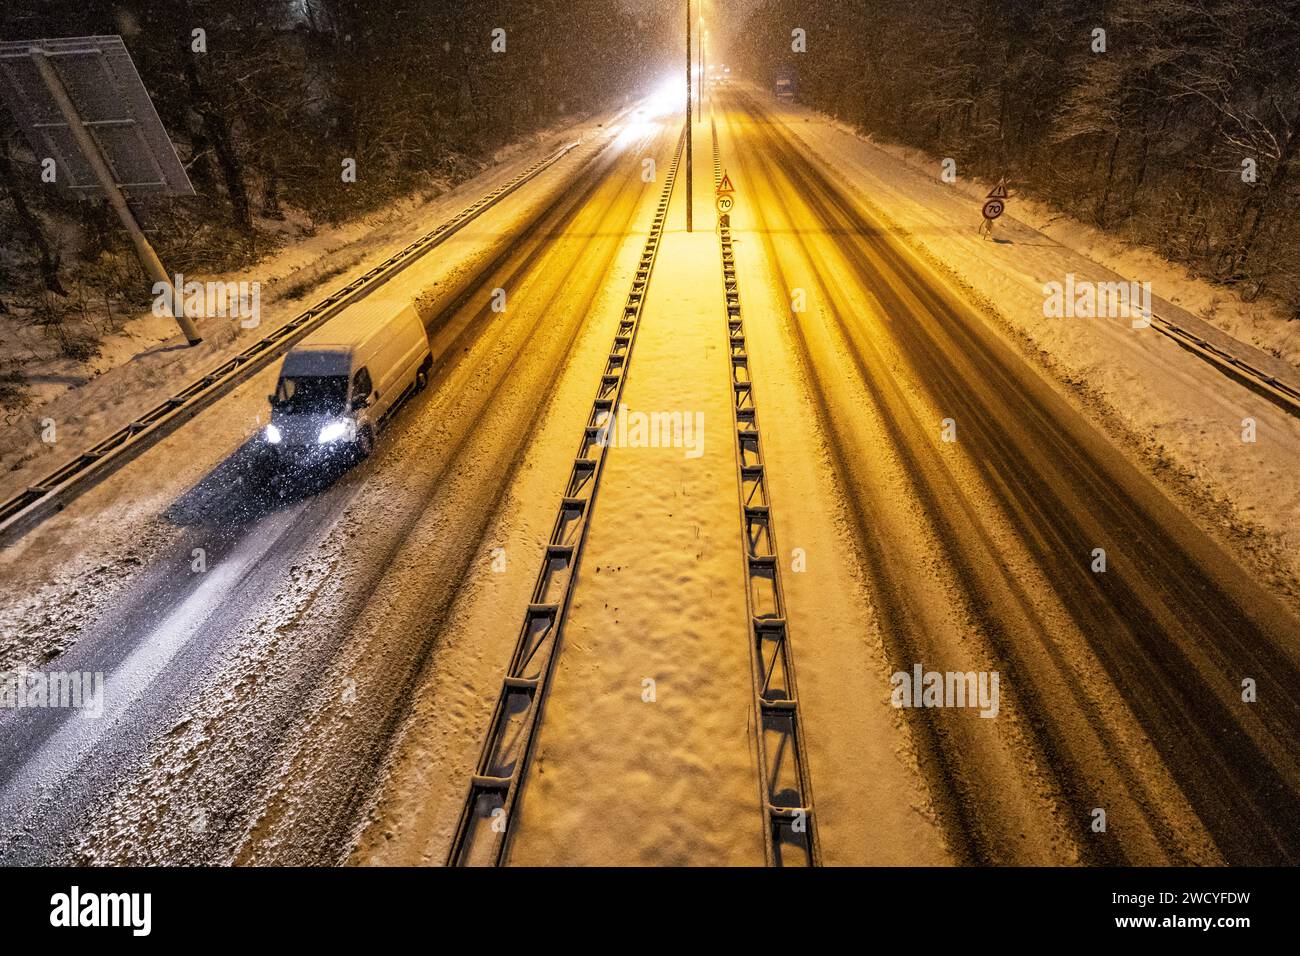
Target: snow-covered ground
x,y
1181,415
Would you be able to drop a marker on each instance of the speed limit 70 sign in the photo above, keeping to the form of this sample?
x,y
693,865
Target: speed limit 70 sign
x,y
996,201
724,190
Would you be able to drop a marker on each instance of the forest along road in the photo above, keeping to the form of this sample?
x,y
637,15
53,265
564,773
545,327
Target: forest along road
x,y
248,708
1121,691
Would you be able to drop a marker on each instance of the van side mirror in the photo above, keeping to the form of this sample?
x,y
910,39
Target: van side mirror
x,y
361,401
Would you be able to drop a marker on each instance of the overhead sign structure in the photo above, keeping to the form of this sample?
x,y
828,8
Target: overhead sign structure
x,y
112,103
80,102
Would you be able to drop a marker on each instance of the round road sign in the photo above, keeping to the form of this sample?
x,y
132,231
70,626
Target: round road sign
x,y
724,203
994,208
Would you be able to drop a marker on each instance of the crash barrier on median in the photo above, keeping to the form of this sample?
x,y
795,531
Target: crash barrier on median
x,y
790,830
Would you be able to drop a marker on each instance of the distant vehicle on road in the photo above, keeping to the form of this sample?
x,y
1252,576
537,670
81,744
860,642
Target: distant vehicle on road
x,y
340,384
785,84
719,74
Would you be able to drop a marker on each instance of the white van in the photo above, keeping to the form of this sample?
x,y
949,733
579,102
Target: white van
x,y
340,383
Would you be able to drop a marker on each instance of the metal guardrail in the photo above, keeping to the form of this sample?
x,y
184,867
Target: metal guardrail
x,y
790,831
484,829
26,509
1262,383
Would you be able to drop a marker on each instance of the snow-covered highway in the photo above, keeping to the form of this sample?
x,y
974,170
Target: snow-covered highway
x,y
302,670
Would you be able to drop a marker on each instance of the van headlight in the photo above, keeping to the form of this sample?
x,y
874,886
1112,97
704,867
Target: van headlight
x,y
333,432
273,435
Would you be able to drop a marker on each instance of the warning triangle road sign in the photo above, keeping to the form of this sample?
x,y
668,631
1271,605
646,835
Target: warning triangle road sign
x,y
725,186
999,191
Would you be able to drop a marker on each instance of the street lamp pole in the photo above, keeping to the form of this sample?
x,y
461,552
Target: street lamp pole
x,y
689,227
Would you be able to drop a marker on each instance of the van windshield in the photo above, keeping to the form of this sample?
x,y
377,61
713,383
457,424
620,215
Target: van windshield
x,y
312,395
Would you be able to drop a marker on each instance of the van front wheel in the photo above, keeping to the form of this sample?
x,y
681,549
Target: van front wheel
x,y
422,377
365,443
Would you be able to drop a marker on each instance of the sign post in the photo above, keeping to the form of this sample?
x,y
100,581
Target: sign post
x,y
90,152
689,227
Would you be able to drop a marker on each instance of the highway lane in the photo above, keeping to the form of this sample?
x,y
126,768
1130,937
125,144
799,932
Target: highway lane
x,y
249,705
1124,687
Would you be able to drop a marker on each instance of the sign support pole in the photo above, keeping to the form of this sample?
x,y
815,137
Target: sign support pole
x,y
689,227
90,150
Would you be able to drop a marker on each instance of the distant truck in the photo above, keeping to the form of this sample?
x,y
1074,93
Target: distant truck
x,y
786,83
341,383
